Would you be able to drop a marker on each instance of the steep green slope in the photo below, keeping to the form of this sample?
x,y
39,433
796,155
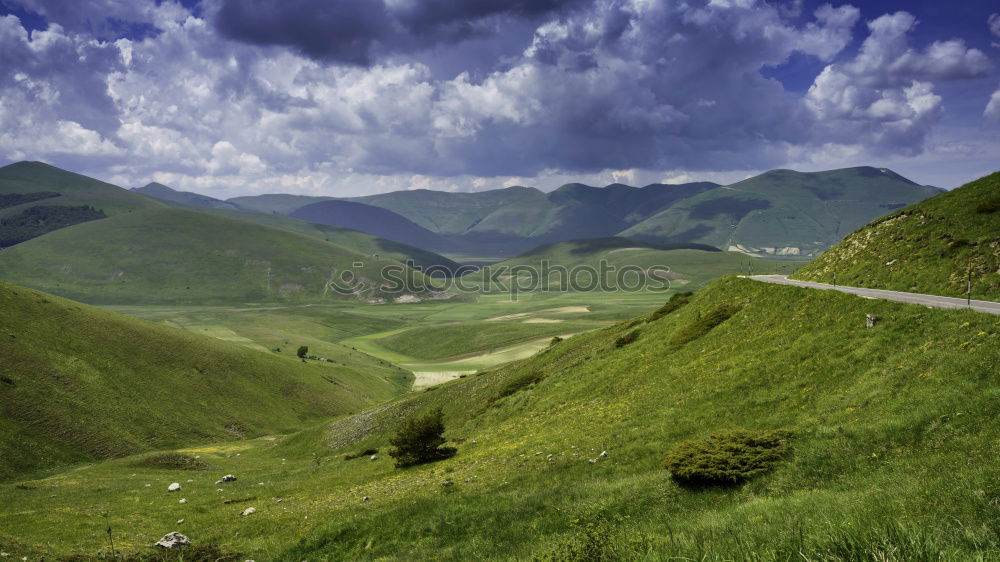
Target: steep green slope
x,y
164,193
782,211
79,383
685,266
181,256
893,431
936,246
894,434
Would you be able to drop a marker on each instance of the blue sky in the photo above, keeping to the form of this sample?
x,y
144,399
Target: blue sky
x,y
347,97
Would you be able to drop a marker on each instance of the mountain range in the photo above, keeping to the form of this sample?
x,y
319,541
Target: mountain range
x,y
781,212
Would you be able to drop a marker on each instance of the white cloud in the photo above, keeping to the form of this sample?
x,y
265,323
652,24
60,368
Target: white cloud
x,y
992,111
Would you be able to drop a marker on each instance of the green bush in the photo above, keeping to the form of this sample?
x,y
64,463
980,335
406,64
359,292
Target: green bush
x,y
171,461
303,351
989,207
676,301
703,324
420,441
555,340
726,456
626,339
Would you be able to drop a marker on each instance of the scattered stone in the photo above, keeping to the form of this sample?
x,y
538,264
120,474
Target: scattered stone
x,y
218,489
226,478
278,500
447,483
891,262
4,554
148,485
469,479
373,458
179,521
538,453
366,498
173,540
548,457
174,487
603,454
248,511
592,461
260,483
189,481
183,500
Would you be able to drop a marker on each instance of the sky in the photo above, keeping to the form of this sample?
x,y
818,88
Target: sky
x,y
351,97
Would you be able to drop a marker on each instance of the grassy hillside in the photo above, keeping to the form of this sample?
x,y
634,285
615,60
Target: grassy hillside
x,y
80,383
276,203
783,211
73,190
180,256
934,247
164,193
371,219
451,213
356,241
688,267
893,434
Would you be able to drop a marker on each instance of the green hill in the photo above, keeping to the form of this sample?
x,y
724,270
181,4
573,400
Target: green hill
x,y
73,189
80,383
450,213
356,241
686,266
783,212
935,246
180,256
889,441
162,192
275,203
36,198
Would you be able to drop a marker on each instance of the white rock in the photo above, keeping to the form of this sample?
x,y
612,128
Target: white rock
x,y
248,511
183,500
603,454
228,478
173,540
373,458
174,487
179,521
4,554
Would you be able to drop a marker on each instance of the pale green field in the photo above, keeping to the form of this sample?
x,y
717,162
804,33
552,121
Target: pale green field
x,y
504,330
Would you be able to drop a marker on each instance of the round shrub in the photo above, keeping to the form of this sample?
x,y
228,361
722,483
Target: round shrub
x,y
726,456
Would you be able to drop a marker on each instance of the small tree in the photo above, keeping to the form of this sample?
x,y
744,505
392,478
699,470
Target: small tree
x,y
419,441
303,351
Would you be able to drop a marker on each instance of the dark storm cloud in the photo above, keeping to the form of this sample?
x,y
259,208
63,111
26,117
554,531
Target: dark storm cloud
x,y
357,32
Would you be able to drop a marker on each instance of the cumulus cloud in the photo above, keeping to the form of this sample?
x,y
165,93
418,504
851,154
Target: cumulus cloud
x,y
362,31
884,97
348,97
992,111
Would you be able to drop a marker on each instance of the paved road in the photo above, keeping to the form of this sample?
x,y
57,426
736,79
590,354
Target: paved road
x,y
933,301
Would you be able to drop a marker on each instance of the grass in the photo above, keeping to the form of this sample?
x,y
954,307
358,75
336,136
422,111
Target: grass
x,y
447,341
895,434
936,246
133,257
80,383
